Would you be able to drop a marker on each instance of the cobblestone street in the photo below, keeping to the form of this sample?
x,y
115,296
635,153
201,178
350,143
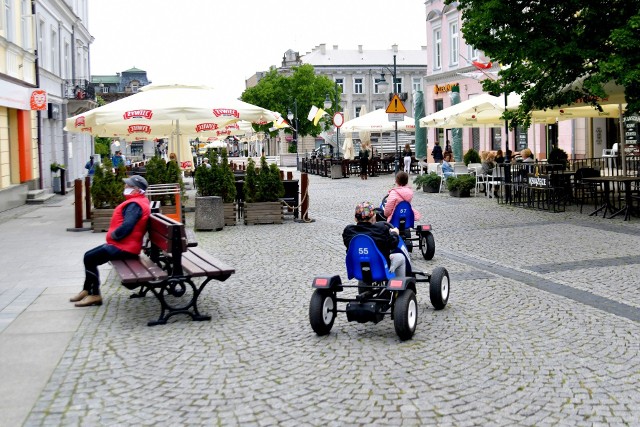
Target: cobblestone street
x,y
541,329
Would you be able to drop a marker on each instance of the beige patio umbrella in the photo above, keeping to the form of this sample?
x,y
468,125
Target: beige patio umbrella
x,y
171,111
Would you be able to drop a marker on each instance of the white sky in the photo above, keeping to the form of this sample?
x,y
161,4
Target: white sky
x,y
221,43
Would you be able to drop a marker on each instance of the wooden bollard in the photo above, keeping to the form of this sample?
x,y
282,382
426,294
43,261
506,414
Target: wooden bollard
x,y
289,175
87,197
304,191
77,189
281,175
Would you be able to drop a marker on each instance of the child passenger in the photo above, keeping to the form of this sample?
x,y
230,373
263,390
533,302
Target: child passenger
x,y
399,193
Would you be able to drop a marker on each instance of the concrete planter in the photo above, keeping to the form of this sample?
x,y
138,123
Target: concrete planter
x,y
460,193
209,214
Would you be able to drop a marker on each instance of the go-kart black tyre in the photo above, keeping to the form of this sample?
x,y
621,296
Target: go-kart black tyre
x,y
439,288
322,311
427,245
405,314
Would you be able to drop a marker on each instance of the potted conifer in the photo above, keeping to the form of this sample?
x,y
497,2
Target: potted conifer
x,y
106,193
429,182
216,194
262,191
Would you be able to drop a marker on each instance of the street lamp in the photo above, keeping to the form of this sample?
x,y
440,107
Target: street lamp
x,y
382,84
293,118
328,103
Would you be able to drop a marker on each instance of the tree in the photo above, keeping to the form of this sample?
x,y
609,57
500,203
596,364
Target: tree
x,y
277,93
548,46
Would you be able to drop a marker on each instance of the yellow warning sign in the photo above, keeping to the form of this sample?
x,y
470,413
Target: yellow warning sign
x,y
396,106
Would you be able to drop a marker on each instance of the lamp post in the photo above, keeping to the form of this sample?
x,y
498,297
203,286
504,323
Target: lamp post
x,y
382,83
293,118
327,105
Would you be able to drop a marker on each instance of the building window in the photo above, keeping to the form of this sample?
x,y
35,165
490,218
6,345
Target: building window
x,y
397,85
437,49
134,86
41,52
54,53
358,110
473,53
376,85
378,106
8,20
454,43
26,16
340,83
357,85
65,71
105,89
416,84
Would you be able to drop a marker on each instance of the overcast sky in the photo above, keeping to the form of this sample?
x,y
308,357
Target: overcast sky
x,y
221,43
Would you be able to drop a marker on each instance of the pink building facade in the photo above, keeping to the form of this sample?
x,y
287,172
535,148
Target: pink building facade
x,y
450,63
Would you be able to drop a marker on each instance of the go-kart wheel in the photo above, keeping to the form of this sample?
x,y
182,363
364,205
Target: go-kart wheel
x,y
405,314
427,245
439,288
322,311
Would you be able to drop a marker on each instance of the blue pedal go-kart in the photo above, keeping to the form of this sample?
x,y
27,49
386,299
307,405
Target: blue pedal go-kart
x,y
404,221
380,292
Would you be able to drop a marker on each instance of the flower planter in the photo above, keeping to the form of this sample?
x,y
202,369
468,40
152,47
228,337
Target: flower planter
x,y
209,213
263,213
100,220
460,193
431,188
230,213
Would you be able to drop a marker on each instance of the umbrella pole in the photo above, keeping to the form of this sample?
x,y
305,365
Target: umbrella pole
x,y
622,141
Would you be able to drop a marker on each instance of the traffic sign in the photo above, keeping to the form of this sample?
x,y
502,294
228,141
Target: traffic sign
x,y
396,117
338,119
396,105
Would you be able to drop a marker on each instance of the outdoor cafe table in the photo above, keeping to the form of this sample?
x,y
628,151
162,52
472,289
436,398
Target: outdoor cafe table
x,y
608,206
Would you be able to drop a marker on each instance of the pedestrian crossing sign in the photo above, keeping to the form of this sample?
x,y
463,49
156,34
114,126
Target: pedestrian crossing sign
x,y
396,106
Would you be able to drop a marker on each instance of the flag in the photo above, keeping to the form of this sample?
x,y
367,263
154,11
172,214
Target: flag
x,y
482,65
315,114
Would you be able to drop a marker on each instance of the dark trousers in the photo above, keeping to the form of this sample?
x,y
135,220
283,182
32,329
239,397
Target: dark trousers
x,y
98,256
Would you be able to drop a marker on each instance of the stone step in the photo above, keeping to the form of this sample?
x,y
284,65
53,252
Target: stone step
x,y
38,197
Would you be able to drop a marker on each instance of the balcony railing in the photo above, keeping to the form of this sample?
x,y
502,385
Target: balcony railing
x,y
80,90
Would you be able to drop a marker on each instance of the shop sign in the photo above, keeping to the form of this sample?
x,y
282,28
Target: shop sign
x,y
445,88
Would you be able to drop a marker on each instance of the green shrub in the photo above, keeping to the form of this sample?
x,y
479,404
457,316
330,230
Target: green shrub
x,y
461,182
427,180
269,186
107,186
558,156
471,156
250,182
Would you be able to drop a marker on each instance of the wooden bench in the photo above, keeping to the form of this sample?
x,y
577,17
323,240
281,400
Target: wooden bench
x,y
168,266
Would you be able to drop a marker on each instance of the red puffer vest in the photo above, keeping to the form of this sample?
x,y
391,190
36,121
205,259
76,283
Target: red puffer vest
x,y
133,242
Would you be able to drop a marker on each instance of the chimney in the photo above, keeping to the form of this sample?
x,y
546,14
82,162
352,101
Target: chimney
x,y
335,47
323,48
394,47
359,48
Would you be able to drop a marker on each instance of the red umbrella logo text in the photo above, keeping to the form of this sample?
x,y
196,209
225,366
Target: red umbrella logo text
x,y
139,129
138,114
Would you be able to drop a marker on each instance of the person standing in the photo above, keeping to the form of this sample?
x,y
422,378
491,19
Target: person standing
x,y
437,152
117,160
90,166
447,148
365,152
406,153
124,239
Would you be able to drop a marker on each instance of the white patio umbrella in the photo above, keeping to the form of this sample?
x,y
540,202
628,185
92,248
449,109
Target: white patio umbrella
x,y
168,110
377,121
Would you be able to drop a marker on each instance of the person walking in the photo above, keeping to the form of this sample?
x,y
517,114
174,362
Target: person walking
x,y
406,153
90,166
124,239
437,152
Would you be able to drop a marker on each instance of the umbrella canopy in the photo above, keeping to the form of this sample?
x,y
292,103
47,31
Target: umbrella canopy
x,y
377,121
347,149
165,110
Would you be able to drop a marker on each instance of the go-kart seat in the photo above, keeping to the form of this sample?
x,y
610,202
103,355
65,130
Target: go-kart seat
x,y
402,211
365,261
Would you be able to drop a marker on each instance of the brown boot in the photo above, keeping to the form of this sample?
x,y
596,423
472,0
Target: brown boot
x,y
79,297
90,300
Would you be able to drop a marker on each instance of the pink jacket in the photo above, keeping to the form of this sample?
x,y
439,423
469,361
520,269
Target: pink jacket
x,y
397,195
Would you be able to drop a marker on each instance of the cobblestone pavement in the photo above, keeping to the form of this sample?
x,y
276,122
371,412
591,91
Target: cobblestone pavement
x,y
541,329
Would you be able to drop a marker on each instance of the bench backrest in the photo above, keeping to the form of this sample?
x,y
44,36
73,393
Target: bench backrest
x,y
168,236
365,261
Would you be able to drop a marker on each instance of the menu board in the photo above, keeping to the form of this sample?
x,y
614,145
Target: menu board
x,y
631,133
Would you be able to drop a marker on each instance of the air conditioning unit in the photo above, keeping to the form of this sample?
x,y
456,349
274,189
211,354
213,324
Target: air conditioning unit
x,y
53,111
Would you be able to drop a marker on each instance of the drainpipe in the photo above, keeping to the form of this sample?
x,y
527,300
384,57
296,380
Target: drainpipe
x,y
38,112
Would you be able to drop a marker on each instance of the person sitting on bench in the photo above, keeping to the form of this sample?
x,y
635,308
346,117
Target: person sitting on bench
x,y
384,235
124,239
